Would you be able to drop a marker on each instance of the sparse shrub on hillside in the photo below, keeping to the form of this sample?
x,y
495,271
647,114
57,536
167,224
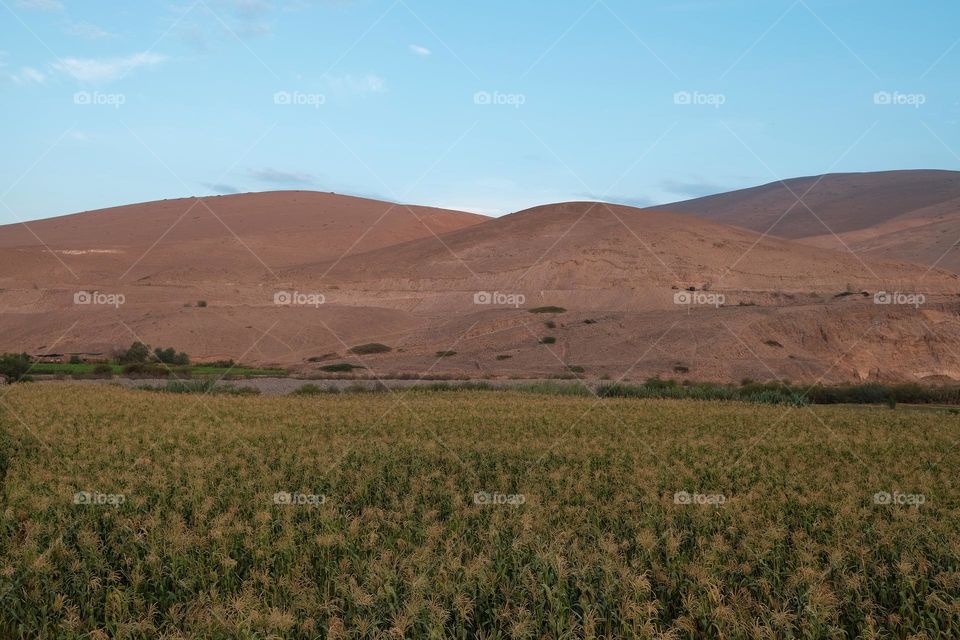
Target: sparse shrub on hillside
x,y
75,359
370,348
202,304
340,367
547,309
548,340
445,354
504,356
550,324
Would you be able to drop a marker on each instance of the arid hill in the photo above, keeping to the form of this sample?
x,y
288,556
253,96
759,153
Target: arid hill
x,y
590,247
214,238
298,278
909,216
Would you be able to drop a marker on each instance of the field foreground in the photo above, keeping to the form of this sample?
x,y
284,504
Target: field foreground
x,y
418,514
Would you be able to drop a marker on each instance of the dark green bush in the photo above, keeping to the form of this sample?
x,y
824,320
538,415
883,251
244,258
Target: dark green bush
x,y
340,367
103,370
547,309
370,348
170,356
15,366
137,353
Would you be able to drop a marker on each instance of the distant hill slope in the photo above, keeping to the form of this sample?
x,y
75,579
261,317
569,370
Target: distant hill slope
x,y
298,279
597,246
892,215
216,237
844,201
929,236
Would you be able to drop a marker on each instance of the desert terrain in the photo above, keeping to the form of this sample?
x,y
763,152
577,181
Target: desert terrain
x,y
749,284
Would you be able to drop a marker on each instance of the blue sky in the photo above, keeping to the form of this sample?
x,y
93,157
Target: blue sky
x,y
490,107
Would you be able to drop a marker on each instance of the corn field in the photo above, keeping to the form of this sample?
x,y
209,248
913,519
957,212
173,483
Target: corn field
x,y
129,514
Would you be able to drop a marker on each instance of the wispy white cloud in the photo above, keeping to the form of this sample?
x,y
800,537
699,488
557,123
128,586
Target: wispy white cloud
x,y
220,187
629,200
289,178
420,51
40,5
107,69
692,188
251,7
369,83
86,30
29,75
